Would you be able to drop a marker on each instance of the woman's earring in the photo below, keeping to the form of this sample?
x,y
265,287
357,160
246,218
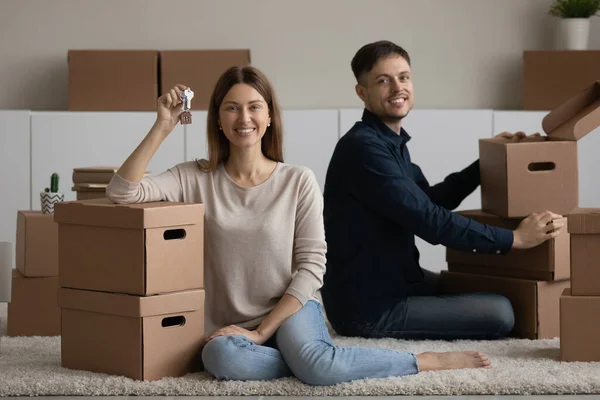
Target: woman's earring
x,y
220,128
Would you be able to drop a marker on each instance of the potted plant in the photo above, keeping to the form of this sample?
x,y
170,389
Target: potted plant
x,y
574,30
51,195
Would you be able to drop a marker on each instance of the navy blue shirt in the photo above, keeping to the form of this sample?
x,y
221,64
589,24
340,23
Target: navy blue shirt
x,y
376,201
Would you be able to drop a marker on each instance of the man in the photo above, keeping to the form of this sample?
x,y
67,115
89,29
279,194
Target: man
x,y
377,200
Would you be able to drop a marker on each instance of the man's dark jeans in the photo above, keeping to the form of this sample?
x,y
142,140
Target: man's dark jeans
x,y
427,314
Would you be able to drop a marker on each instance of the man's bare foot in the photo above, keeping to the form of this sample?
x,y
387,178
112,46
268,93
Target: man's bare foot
x,y
431,361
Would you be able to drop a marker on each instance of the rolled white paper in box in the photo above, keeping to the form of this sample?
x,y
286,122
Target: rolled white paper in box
x,y
5,271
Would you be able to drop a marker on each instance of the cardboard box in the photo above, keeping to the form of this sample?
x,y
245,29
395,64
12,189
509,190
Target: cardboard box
x,y
579,328
143,338
541,88
33,310
94,175
139,249
535,303
198,69
549,261
113,80
90,195
584,228
36,244
520,178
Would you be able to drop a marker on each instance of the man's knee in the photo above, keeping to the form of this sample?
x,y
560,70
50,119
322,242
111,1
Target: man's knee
x,y
219,358
502,313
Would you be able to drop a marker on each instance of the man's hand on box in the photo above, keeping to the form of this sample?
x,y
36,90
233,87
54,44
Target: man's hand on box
x,y
537,228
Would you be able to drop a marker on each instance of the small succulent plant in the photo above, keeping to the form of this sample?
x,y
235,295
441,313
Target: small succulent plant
x,y
53,184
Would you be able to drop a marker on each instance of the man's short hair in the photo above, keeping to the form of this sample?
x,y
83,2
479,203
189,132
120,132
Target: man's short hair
x,y
368,55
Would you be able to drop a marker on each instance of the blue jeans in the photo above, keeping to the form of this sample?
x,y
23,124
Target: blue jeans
x,y
302,347
428,314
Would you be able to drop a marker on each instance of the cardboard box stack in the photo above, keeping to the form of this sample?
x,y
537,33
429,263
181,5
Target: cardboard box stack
x,y
131,287
91,182
97,77
518,179
34,310
580,304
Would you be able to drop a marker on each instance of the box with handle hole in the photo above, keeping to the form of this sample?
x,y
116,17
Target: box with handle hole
x,y
535,174
138,249
140,337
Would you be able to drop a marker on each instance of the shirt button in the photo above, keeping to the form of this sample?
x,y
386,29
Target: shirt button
x,y
474,251
497,251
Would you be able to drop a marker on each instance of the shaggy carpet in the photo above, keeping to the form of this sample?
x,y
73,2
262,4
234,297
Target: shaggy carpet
x,y
30,366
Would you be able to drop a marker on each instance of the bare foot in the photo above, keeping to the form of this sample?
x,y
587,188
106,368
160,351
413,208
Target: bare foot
x,y
431,361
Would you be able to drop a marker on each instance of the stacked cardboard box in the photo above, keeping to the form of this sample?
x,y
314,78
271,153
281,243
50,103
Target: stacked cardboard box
x,y
97,77
131,287
580,304
518,179
33,310
91,182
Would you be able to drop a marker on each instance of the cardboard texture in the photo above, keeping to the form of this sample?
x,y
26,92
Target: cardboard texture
x,y
579,327
97,79
535,303
95,174
584,228
90,195
549,261
143,338
542,91
34,309
36,244
139,249
199,70
509,170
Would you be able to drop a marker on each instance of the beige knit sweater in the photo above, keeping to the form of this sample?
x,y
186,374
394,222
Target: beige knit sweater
x,y
260,242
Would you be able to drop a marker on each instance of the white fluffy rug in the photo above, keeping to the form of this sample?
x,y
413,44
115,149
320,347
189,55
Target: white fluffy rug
x,y
31,367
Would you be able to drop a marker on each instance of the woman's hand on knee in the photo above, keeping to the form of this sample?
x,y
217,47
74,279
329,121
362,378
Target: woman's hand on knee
x,y
234,330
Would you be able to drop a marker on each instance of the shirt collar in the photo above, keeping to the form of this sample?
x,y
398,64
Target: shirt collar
x,y
384,131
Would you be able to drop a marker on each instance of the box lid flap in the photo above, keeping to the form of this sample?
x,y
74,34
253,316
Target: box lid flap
x,y
103,212
491,219
576,117
126,305
584,220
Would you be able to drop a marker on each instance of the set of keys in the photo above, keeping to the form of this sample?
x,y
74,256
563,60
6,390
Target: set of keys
x,y
186,102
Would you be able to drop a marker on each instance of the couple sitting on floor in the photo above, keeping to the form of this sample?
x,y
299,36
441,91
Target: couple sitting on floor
x,y
273,241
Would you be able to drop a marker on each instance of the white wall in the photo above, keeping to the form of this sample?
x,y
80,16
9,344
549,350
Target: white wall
x,y
466,53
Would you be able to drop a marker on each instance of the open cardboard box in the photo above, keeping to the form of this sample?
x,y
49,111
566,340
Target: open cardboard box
x,y
584,228
547,262
535,303
143,338
520,178
139,249
579,327
33,310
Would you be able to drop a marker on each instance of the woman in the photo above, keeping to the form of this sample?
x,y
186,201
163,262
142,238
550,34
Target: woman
x,y
264,244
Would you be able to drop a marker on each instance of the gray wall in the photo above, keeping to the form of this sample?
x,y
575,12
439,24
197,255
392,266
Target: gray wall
x,y
466,53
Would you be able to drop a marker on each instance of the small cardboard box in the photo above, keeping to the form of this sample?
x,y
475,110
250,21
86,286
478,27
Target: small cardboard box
x,y
143,338
36,244
113,80
535,303
33,310
520,178
584,228
95,175
542,91
97,194
547,262
579,327
139,249
199,70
